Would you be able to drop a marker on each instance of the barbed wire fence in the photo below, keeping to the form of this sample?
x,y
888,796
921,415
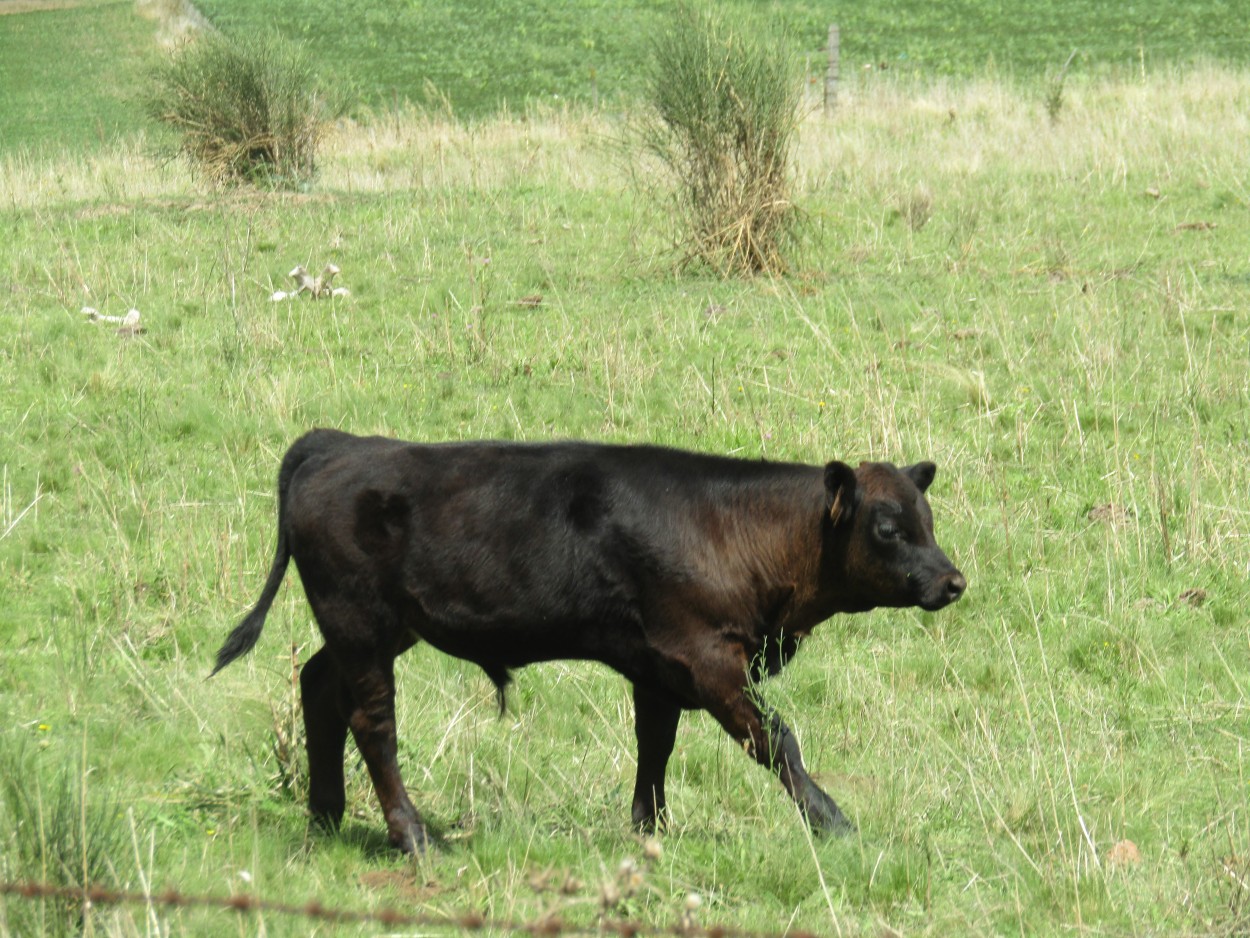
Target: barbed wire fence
x,y
550,926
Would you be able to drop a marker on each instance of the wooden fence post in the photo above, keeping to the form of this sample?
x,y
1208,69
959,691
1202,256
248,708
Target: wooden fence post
x,y
831,73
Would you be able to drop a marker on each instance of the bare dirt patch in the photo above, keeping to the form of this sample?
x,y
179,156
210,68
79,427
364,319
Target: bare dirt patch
x,y
175,19
39,6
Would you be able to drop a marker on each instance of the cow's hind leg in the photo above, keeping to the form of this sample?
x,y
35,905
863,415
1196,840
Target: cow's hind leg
x,y
325,728
655,724
372,721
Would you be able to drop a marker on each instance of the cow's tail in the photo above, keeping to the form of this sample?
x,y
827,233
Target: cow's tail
x,y
246,633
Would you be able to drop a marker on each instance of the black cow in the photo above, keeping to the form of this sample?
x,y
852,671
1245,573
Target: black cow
x,y
692,575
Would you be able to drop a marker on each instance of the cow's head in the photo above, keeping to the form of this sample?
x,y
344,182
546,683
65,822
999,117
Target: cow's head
x,y
880,530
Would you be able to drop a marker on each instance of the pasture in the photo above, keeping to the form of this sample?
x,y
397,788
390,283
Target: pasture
x,y
473,56
68,68
1053,311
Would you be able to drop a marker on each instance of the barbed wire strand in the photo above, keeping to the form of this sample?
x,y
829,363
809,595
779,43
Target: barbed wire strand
x,y
547,927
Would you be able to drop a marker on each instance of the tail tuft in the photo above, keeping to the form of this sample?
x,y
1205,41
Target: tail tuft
x,y
242,639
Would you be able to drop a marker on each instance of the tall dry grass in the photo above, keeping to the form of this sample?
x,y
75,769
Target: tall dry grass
x,y
885,133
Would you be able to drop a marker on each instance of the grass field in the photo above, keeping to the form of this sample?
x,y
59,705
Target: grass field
x,y
1053,311
479,54
67,73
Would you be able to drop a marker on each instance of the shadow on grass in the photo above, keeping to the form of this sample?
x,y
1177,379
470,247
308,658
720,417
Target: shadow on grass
x,y
370,840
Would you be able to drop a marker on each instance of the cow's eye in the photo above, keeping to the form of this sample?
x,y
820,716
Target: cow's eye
x,y
888,531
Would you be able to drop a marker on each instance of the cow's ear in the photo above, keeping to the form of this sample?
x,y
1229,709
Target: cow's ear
x,y
922,474
840,491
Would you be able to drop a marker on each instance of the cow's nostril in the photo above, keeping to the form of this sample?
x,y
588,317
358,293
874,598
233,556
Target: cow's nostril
x,y
955,586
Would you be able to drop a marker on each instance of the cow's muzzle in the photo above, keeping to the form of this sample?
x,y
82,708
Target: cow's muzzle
x,y
944,591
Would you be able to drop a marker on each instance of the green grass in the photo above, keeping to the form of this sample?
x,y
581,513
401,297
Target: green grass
x,y
1029,303
477,55
68,77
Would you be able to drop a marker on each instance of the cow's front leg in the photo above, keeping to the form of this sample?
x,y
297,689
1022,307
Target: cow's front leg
x,y
783,757
725,692
655,725
372,722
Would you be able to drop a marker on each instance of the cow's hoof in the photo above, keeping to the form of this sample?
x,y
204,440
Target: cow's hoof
x,y
328,821
840,826
411,839
831,823
651,823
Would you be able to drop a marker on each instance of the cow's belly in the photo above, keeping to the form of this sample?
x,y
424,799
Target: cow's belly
x,y
516,633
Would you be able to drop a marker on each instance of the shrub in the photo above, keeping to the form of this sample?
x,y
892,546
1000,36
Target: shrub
x,y
722,106
247,109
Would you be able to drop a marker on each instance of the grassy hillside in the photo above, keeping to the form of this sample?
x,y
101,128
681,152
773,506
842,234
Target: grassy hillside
x,y
478,55
68,76
1051,311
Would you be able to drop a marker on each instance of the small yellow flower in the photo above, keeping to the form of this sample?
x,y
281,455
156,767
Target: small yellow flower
x,y
44,727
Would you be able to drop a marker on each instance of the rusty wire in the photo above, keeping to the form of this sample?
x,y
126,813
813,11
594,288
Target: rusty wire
x,y
550,926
